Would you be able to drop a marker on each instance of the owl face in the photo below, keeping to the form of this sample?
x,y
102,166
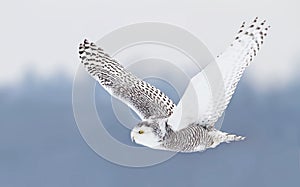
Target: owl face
x,y
148,133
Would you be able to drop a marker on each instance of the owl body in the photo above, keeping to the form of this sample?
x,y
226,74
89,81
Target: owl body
x,y
190,139
194,138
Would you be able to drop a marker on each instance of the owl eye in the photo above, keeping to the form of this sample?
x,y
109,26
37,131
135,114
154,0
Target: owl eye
x,y
141,132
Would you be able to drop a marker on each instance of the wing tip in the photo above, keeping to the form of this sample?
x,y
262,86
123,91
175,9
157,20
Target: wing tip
x,y
257,30
84,47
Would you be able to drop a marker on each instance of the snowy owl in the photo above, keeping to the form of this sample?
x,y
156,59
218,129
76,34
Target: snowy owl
x,y
164,125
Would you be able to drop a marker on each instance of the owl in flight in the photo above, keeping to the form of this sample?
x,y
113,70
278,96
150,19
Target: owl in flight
x,y
164,125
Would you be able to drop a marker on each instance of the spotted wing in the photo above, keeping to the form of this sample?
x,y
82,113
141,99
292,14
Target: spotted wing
x,y
211,103
146,100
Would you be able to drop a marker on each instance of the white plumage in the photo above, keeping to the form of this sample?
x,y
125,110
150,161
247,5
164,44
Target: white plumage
x,y
231,64
180,128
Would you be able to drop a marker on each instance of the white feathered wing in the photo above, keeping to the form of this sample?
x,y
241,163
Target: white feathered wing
x,y
210,91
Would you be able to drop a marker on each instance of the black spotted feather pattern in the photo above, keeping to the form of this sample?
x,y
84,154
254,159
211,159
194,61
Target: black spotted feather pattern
x,y
146,100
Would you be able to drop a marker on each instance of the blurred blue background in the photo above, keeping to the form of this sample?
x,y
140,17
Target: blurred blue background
x,y
40,144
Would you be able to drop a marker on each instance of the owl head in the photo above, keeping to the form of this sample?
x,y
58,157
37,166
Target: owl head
x,y
150,133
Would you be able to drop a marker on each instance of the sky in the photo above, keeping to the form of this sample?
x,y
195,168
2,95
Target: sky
x,y
43,36
40,143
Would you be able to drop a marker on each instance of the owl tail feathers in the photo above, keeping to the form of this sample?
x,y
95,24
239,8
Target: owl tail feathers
x,y
233,137
220,137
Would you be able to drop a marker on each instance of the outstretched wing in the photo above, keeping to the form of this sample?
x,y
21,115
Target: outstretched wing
x,y
231,65
146,100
